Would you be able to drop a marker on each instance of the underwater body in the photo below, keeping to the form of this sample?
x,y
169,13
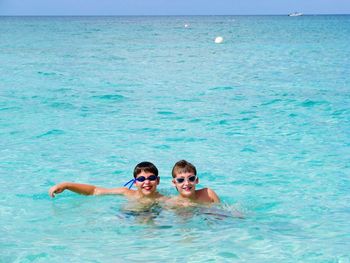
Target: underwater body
x,y
264,116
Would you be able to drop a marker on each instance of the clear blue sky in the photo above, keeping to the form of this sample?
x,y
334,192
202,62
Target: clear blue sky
x,y
171,7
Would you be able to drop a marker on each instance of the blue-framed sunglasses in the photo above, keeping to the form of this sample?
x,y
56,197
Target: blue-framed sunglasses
x,y
141,179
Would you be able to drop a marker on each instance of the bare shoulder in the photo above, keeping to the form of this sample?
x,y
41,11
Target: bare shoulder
x,y
208,195
126,191
214,197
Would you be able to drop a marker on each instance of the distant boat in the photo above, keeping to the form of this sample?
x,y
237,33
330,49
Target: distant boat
x,y
295,14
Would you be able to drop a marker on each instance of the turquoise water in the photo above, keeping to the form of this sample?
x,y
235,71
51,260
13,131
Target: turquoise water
x,y
264,116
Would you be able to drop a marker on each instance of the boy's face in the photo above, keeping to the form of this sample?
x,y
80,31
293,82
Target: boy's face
x,y
146,183
185,183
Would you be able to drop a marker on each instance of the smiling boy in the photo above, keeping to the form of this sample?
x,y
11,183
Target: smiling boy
x,y
185,180
146,180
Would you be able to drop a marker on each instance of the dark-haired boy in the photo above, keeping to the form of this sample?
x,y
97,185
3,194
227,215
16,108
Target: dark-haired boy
x,y
146,180
185,180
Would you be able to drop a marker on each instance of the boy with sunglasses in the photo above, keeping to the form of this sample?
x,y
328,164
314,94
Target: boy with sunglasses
x,y
146,180
185,180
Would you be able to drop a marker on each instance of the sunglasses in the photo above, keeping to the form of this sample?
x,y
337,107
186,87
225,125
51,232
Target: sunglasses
x,y
190,179
142,178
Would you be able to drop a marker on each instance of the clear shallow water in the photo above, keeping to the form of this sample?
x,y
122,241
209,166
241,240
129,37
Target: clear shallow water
x,y
264,116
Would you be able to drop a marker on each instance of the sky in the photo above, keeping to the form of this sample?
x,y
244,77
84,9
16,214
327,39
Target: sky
x,y
172,7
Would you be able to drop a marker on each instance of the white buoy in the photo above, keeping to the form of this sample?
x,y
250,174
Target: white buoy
x,y
219,40
186,25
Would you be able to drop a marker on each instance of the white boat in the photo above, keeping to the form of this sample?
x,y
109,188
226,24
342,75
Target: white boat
x,y
295,14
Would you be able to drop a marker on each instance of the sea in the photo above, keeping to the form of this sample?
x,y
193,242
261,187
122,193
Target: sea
x,y
264,116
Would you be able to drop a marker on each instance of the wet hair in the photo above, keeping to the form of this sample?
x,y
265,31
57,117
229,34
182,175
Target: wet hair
x,y
183,167
145,167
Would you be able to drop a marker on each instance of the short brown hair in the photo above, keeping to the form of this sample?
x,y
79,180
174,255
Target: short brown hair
x,y
183,167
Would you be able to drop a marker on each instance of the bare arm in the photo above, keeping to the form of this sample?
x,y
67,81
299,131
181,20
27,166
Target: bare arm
x,y
112,191
85,189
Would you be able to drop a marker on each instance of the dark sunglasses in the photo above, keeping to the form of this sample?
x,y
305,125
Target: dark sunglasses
x,y
142,178
190,179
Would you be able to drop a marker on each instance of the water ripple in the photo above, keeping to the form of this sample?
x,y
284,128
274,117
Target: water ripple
x,y
110,97
53,132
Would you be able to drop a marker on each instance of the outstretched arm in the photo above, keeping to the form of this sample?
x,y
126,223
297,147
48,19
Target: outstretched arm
x,y
85,189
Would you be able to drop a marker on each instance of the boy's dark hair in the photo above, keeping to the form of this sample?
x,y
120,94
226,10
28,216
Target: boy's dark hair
x,y
183,167
146,167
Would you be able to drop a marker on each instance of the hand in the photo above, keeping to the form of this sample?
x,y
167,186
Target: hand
x,y
58,188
